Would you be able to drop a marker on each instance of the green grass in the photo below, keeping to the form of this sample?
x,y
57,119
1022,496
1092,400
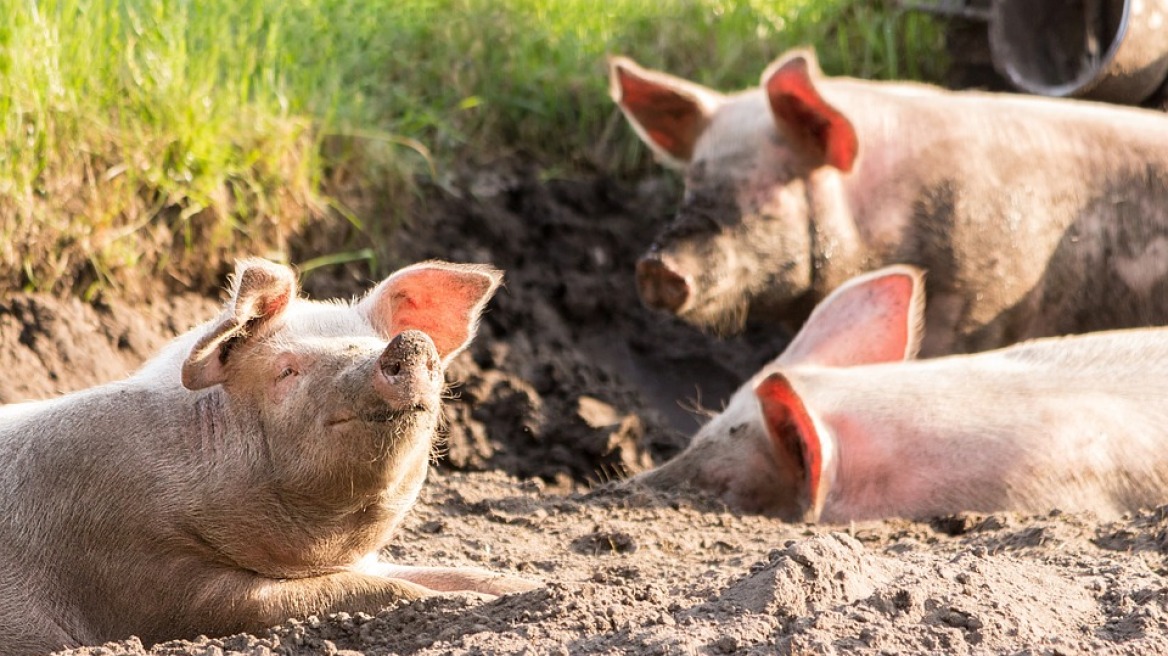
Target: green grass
x,y
157,139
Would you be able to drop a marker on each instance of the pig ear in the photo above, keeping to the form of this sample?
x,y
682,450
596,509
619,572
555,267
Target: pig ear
x,y
797,441
804,116
441,299
260,292
668,113
875,317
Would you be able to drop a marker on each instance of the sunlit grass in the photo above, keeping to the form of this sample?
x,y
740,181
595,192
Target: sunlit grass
x,y
155,139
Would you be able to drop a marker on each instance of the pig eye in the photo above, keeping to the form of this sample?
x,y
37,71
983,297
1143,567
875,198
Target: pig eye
x,y
288,371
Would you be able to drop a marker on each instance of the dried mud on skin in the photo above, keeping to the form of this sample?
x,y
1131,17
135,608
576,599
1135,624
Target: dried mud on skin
x,y
571,382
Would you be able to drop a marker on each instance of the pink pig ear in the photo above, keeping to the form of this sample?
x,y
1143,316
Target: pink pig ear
x,y
797,441
872,318
804,116
441,299
260,292
668,113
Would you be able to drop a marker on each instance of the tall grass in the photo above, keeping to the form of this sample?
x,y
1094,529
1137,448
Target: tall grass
x,y
155,139
143,135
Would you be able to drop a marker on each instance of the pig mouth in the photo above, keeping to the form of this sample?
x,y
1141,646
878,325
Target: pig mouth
x,y
386,416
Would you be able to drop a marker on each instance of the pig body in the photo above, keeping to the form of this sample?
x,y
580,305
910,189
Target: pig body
x,y
247,474
1033,216
839,429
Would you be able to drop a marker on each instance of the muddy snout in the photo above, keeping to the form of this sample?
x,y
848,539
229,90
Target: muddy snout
x,y
661,285
409,372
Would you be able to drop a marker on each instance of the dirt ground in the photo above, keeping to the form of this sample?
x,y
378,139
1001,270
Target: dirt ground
x,y
572,383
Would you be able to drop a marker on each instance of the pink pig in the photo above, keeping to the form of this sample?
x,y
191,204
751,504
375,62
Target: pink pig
x,y
840,427
1033,216
249,473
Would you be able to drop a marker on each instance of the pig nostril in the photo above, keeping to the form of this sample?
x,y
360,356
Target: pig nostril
x,y
660,286
410,352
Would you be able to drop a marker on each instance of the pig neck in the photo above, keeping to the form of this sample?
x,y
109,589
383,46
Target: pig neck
x,y
871,195
1031,428
838,245
900,428
868,475
860,217
111,443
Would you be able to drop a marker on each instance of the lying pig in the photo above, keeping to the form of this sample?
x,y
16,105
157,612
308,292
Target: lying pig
x,y
840,428
1033,217
247,474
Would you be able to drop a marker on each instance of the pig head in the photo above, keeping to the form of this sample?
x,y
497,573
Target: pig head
x,y
843,426
247,474
1032,216
873,318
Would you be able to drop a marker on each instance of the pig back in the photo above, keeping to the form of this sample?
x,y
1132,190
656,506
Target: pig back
x,y
1033,217
1076,423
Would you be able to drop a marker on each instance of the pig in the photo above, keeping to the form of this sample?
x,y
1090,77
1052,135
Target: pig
x,y
845,426
248,473
1034,217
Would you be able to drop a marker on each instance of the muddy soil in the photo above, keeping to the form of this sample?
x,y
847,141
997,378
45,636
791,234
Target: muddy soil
x,y
571,383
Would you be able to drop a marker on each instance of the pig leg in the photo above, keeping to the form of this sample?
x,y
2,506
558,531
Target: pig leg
x,y
453,579
253,604
374,586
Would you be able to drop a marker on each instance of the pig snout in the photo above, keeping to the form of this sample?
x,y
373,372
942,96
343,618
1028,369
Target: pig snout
x,y
660,285
409,372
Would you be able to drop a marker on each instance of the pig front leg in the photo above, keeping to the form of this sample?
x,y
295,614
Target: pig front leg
x,y
332,593
235,605
368,589
232,601
452,579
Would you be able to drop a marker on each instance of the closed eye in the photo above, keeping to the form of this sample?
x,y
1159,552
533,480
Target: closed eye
x,y
288,371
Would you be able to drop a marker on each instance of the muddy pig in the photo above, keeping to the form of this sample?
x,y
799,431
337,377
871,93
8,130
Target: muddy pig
x,y
840,427
247,474
1033,217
